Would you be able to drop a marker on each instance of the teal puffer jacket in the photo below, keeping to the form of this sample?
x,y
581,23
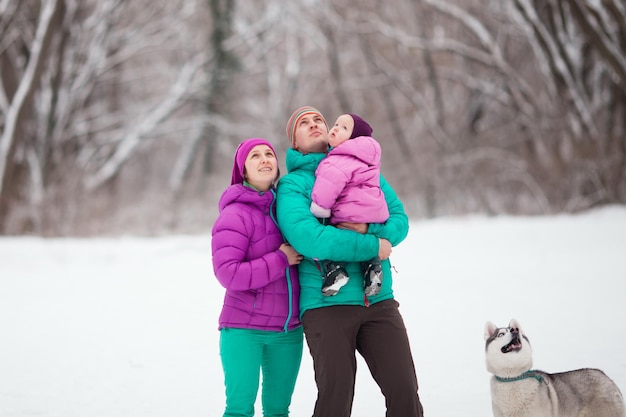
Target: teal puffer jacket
x,y
317,242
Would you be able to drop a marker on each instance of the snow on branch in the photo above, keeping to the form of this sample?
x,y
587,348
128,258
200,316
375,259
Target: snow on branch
x,y
520,90
597,24
558,64
27,85
129,143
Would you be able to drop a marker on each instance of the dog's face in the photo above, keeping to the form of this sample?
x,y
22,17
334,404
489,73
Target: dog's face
x,y
507,349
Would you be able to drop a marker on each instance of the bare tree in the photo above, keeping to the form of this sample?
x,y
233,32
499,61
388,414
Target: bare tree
x,y
20,100
119,116
99,96
543,94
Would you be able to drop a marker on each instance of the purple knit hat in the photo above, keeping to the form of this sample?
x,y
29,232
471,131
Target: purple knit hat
x,y
241,154
361,127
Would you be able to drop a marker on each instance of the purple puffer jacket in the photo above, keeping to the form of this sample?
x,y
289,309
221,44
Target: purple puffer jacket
x,y
347,182
262,290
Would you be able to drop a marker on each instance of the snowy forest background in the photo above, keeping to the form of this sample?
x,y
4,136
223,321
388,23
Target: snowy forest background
x,y
120,116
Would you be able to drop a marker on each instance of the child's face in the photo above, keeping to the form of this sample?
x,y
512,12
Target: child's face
x,y
341,130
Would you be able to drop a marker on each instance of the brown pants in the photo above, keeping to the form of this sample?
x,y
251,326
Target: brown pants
x,y
378,334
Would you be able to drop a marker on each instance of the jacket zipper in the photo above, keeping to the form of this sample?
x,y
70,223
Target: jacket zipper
x,y
287,270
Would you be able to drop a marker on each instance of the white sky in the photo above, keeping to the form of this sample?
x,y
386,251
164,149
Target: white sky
x,y
128,327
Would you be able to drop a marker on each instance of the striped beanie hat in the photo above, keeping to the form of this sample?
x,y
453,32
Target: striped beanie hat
x,y
292,123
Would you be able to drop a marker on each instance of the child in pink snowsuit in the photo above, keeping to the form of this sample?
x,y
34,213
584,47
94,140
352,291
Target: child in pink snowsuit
x,y
347,189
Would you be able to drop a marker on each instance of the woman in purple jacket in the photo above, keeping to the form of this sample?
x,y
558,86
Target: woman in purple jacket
x,y
259,323
347,190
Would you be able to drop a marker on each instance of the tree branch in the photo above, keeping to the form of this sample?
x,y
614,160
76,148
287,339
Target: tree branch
x,y
132,139
26,88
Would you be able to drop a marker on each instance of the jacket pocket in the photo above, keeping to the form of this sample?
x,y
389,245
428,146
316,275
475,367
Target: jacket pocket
x,y
258,300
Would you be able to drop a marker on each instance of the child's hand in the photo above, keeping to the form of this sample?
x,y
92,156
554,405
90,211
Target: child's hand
x,y
319,211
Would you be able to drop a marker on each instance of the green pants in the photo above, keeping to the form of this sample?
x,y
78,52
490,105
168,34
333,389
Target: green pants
x,y
276,354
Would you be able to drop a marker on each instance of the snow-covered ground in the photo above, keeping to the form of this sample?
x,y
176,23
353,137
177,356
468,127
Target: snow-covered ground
x,y
128,327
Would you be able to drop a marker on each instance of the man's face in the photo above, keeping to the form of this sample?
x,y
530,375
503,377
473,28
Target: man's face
x,y
311,134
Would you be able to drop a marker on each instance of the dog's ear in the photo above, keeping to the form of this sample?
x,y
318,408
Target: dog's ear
x,y
490,329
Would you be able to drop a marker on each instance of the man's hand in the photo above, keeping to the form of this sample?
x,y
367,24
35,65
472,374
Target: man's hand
x,y
384,249
355,227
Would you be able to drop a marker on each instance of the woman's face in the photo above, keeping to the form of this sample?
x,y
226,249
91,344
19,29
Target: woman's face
x,y
261,167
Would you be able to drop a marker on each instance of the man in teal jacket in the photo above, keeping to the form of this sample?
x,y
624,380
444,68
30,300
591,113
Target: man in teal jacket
x,y
337,326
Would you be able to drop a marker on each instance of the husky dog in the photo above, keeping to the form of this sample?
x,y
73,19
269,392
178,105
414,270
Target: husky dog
x,y
518,391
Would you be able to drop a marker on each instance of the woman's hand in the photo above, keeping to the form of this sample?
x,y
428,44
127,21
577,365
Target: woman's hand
x,y
293,257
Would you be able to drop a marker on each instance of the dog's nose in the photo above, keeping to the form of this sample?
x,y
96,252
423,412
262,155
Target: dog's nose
x,y
514,330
